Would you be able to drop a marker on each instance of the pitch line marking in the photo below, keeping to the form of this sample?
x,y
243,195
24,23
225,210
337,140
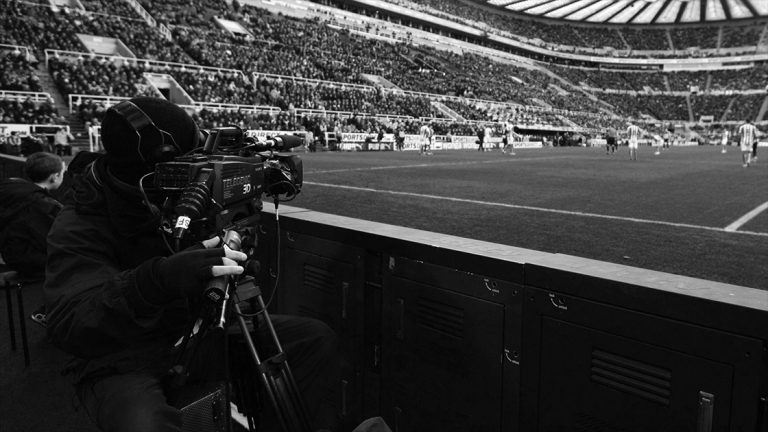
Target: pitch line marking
x,y
747,217
541,209
427,165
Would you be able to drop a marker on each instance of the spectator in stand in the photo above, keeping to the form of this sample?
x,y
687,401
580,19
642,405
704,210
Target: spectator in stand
x,y
61,142
13,144
32,144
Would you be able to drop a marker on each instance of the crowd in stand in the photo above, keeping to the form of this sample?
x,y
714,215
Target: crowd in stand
x,y
646,39
195,13
614,80
755,77
142,39
39,26
685,80
17,73
748,78
735,35
709,106
36,26
656,105
284,46
95,76
29,112
699,37
117,8
745,106
583,36
310,50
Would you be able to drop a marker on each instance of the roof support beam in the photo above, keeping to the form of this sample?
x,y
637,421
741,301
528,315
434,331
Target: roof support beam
x,y
585,6
681,12
726,8
558,6
751,7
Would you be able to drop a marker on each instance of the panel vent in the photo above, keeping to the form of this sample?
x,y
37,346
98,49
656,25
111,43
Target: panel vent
x,y
632,377
441,317
319,279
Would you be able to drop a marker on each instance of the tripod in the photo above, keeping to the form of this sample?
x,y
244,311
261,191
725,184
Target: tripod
x,y
225,296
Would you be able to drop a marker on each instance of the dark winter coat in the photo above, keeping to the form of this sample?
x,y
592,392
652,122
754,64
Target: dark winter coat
x,y
27,212
102,248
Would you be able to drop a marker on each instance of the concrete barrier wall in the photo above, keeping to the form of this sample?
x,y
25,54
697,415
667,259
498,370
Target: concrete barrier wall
x,y
448,333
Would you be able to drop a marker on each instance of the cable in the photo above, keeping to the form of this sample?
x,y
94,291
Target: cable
x,y
154,210
144,195
277,276
292,192
277,235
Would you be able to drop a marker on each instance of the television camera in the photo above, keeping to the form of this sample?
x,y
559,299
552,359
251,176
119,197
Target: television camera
x,y
217,190
220,185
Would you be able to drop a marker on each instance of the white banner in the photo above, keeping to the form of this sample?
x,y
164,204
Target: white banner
x,y
356,142
263,134
528,144
594,142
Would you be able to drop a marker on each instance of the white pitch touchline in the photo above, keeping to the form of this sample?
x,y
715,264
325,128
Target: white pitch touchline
x,y
541,209
424,165
747,217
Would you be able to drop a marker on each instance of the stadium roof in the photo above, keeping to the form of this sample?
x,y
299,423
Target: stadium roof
x,y
639,11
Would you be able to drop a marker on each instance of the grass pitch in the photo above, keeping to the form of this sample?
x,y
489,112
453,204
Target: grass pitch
x,y
689,211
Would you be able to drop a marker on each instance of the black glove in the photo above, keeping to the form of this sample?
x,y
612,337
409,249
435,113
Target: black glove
x,y
185,274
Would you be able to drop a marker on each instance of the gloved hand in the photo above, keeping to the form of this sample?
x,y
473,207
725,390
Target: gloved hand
x,y
186,273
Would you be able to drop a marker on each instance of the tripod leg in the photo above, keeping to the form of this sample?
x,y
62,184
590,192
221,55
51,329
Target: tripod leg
x,y
278,380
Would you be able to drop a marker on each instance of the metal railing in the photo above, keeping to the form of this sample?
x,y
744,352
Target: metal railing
x,y
19,48
149,64
23,95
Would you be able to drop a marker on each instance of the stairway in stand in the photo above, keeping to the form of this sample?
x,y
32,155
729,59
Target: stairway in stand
x,y
76,126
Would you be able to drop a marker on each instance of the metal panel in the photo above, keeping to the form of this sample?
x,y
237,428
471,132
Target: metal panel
x,y
591,366
324,280
443,362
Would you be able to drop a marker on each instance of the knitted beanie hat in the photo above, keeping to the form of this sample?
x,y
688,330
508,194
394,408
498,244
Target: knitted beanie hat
x,y
129,157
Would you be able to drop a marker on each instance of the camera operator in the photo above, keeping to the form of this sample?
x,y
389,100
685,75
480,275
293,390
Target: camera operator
x,y
118,299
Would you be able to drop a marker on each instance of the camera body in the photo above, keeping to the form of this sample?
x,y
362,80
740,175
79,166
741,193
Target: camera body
x,y
221,186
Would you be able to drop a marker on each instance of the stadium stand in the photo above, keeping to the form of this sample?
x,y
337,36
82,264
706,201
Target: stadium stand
x,y
289,67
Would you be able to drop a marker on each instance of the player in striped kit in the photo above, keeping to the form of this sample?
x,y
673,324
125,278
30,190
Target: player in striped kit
x,y
426,133
633,133
747,136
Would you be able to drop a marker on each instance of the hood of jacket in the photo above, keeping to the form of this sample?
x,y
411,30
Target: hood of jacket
x,y
99,192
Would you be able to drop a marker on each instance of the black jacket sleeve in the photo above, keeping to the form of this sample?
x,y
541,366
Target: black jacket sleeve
x,y
94,307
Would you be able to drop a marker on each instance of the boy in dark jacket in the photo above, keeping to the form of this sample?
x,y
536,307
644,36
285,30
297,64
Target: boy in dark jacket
x,y
27,211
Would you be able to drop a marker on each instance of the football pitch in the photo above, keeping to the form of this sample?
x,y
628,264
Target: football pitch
x,y
692,211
